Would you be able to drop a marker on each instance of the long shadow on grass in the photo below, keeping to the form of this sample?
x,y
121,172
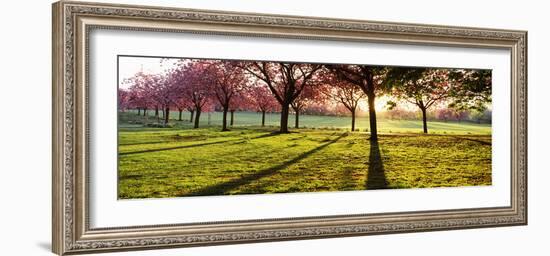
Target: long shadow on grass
x,y
376,177
474,140
222,188
143,143
235,141
172,148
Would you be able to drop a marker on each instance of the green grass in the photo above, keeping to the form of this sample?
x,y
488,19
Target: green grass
x,y
327,122
174,162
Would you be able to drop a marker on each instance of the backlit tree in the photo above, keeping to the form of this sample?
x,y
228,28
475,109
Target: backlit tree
x,y
368,78
262,100
423,87
285,80
344,92
310,94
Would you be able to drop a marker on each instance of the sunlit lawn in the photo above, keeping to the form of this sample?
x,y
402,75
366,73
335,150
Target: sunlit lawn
x,y
311,121
173,162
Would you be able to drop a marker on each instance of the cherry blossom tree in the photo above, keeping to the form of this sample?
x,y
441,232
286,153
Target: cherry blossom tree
x,y
262,100
461,115
162,92
239,103
319,109
134,100
285,80
141,93
344,92
123,99
181,103
230,81
194,83
444,114
309,95
452,114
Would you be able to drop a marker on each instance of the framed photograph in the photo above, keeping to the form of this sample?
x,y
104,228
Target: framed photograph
x,y
177,127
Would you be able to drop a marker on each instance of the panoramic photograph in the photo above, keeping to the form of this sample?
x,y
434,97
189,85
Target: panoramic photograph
x,y
213,127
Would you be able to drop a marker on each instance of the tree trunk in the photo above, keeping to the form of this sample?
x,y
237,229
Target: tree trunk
x,y
284,118
156,111
371,95
144,111
353,120
197,118
166,116
263,118
163,114
179,119
224,120
232,113
139,111
297,119
424,120
372,116
191,119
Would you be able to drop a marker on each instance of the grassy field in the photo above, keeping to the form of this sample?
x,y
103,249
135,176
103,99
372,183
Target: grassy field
x,y
309,121
174,162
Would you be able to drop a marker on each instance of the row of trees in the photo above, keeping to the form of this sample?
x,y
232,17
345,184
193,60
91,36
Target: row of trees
x,y
203,85
441,114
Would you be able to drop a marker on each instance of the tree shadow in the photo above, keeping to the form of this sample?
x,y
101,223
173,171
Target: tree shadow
x,y
267,135
237,141
142,143
346,180
130,177
485,143
376,177
172,148
222,188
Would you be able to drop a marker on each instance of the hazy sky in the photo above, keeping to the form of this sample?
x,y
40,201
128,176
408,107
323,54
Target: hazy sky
x,y
129,66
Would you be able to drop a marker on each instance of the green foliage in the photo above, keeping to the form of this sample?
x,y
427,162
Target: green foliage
x,y
391,104
173,162
461,89
475,89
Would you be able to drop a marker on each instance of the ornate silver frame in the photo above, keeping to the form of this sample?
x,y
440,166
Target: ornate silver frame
x,y
72,22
